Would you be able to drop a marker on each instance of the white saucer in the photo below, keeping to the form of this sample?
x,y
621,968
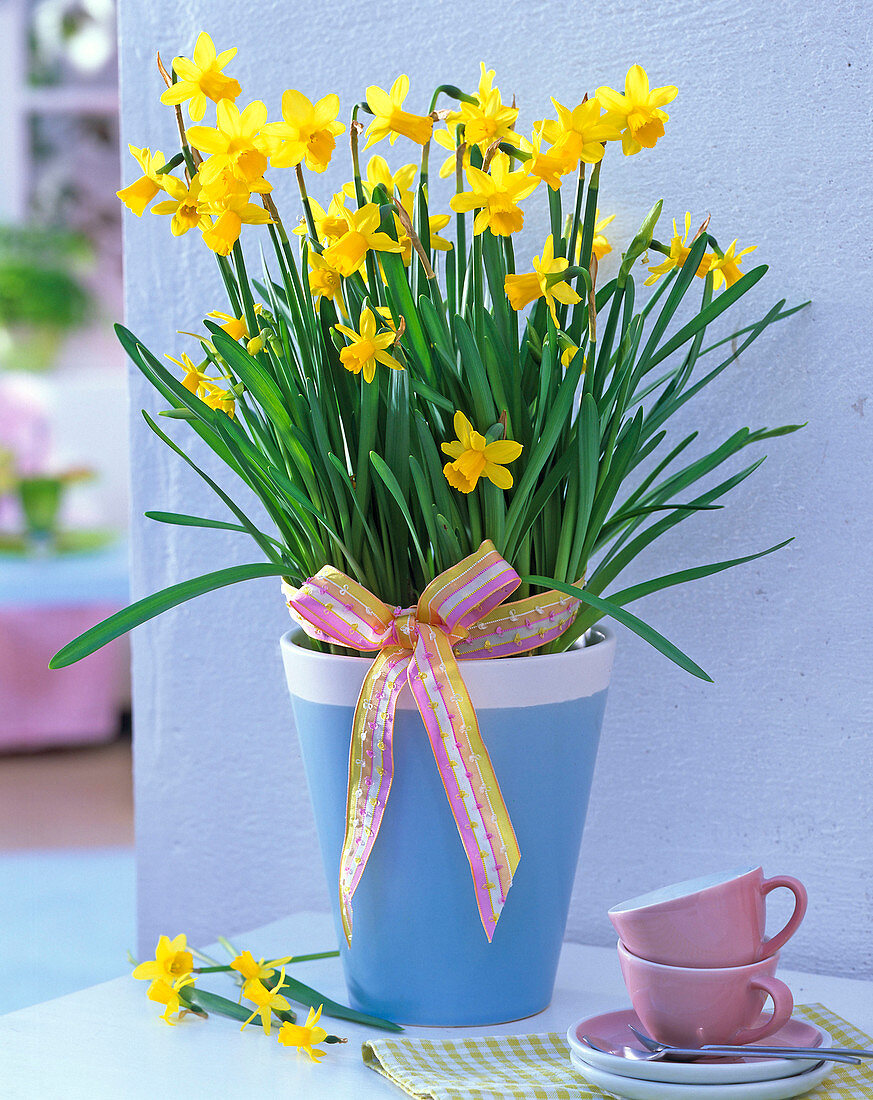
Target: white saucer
x,y
633,1088
612,1029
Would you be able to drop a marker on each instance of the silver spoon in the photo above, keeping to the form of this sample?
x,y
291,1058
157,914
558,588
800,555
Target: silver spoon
x,y
682,1054
753,1051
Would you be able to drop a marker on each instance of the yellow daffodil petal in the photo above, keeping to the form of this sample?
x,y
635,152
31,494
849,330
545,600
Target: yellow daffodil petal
x,y
463,429
498,475
503,450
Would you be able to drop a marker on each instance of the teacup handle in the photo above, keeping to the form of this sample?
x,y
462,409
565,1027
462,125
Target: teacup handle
x,y
797,888
783,1006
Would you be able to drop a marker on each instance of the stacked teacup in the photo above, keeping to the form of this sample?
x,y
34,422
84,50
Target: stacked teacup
x,y
697,963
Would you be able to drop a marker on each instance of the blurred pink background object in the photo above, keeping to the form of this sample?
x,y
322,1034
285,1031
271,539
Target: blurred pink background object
x,y
43,708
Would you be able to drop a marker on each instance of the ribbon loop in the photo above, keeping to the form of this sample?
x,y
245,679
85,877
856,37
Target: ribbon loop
x,y
460,613
467,592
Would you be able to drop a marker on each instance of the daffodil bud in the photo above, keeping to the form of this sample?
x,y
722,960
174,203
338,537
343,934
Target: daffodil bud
x,y
641,241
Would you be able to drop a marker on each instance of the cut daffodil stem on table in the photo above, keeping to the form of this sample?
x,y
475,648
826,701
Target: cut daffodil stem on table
x,y
264,983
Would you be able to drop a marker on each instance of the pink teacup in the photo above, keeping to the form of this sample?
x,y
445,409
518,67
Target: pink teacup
x,y
691,1006
713,921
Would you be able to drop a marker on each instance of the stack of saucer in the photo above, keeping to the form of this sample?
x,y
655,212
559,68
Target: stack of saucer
x,y
698,967
716,1078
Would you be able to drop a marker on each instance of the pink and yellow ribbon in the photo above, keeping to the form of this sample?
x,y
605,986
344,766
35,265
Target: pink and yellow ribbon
x,y
460,614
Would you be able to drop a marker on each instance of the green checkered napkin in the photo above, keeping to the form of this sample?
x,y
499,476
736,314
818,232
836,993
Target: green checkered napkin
x,y
537,1067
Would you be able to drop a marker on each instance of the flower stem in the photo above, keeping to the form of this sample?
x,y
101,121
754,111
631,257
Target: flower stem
x,y
556,221
460,221
577,211
307,208
590,217
202,955
295,959
354,130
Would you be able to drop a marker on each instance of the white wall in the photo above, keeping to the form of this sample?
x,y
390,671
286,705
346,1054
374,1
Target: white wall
x,y
770,133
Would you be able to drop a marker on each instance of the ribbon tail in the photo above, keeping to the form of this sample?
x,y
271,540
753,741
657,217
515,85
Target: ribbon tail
x,y
371,769
466,771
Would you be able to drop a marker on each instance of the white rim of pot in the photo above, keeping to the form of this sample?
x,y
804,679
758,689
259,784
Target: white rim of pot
x,y
497,683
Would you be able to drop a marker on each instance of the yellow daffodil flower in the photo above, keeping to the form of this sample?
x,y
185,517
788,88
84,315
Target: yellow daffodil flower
x,y
167,994
726,269
405,242
679,249
544,163
348,254
387,320
183,204
436,222
542,282
266,1001
237,329
172,958
488,120
223,234
215,186
569,354
137,195
305,1036
474,457
232,209
497,193
257,971
378,172
391,119
233,143
367,347
193,379
308,131
220,399
638,112
578,135
201,78
600,245
324,281
330,225
196,381
446,139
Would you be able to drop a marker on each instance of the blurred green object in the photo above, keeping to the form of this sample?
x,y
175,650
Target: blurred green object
x,y
77,541
40,502
42,296
41,497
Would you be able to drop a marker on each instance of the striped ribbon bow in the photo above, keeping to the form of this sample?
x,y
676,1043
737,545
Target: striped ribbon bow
x,y
460,614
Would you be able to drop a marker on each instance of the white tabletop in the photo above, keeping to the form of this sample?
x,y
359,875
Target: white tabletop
x,y
109,1043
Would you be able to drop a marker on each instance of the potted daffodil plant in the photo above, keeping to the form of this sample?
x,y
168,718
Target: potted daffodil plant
x,y
460,445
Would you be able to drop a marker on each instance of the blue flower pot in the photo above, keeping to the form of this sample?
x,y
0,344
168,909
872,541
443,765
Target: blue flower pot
x,y
419,954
